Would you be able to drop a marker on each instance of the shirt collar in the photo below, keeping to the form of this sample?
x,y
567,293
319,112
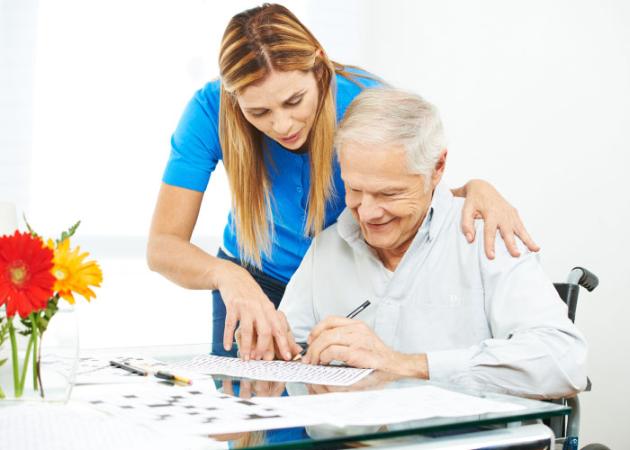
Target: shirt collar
x,y
350,231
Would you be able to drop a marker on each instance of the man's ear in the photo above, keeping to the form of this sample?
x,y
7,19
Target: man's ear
x,y
439,167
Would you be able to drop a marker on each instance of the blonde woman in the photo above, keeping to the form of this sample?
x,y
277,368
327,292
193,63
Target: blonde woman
x,y
270,118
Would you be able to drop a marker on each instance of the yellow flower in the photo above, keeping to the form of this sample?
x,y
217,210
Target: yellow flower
x,y
72,274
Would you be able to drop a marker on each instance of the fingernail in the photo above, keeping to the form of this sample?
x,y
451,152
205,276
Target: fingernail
x,y
287,356
305,360
469,237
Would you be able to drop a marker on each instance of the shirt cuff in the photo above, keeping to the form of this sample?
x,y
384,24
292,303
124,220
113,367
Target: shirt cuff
x,y
446,363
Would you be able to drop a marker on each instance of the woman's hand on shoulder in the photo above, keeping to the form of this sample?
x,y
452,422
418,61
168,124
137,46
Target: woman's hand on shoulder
x,y
260,325
484,201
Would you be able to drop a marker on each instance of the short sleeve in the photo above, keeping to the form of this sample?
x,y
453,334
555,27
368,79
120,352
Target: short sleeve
x,y
195,147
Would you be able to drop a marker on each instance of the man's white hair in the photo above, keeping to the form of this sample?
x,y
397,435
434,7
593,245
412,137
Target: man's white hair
x,y
386,116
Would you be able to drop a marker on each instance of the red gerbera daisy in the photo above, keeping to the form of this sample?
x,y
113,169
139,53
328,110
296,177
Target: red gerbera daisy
x,y
26,281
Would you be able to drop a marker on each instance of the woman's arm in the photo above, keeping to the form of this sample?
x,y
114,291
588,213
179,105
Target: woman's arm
x,y
170,253
484,201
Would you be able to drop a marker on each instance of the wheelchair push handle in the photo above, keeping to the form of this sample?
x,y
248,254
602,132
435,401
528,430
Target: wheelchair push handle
x,y
583,277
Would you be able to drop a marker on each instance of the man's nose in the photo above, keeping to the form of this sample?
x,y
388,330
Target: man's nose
x,y
369,209
281,123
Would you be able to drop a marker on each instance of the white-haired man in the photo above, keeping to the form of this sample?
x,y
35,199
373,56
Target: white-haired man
x,y
439,308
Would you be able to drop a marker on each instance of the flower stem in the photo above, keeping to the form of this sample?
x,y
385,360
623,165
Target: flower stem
x,y
25,364
34,337
14,359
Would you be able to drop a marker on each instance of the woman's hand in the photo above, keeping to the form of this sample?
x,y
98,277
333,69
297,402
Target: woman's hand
x,y
246,304
484,201
272,351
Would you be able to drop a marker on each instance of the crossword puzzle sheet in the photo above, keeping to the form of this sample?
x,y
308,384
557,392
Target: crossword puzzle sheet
x,y
195,409
287,371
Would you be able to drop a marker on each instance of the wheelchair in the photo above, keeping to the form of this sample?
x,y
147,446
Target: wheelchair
x,y
566,428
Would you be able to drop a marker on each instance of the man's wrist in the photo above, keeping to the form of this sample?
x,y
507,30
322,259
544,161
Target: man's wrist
x,y
415,366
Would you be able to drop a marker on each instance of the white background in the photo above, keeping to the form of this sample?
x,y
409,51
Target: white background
x,y
535,97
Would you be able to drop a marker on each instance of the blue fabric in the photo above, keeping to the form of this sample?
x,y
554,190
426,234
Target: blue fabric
x,y
195,152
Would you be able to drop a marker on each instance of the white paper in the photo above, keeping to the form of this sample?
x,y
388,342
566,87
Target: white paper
x,y
388,406
96,370
287,371
39,426
190,410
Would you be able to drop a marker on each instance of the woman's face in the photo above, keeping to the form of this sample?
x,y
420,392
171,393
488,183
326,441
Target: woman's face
x,y
283,106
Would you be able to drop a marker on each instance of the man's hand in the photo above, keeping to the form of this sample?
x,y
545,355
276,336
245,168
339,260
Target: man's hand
x,y
355,344
272,351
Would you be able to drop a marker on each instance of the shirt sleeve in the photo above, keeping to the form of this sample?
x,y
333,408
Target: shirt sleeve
x,y
297,301
536,350
195,148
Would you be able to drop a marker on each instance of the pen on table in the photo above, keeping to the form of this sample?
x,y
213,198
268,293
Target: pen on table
x,y
159,374
351,315
129,368
171,377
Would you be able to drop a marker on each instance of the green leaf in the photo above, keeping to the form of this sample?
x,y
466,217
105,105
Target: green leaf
x,y
69,233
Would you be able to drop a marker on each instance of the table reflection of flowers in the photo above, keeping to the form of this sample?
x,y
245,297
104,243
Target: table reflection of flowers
x,y
34,276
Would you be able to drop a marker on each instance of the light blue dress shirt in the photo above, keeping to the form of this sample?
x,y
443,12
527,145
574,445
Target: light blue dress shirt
x,y
491,324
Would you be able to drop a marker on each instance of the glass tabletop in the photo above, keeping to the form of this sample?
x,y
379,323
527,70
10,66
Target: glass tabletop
x,y
331,436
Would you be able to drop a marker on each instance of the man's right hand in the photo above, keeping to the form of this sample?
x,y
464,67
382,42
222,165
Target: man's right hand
x,y
246,304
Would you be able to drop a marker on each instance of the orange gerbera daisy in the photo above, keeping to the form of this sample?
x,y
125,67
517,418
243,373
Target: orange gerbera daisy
x,y
26,282
73,274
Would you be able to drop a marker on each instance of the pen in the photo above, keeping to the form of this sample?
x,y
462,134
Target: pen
x,y
159,374
129,368
171,377
351,315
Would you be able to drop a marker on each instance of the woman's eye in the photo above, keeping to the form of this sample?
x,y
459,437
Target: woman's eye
x,y
294,102
258,114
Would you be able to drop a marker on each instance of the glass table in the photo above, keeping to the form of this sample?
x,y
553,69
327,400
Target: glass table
x,y
327,436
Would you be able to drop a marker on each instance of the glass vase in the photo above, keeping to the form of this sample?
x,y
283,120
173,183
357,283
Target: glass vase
x,y
51,376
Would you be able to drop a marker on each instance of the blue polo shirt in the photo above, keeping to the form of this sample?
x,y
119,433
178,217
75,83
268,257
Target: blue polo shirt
x,y
195,152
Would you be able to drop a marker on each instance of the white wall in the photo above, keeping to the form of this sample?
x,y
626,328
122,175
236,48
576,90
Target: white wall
x,y
534,96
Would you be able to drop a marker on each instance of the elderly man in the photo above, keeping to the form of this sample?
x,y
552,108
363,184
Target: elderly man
x,y
439,309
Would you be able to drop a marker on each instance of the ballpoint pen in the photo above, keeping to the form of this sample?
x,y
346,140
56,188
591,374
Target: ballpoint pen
x,y
351,315
158,374
170,377
129,368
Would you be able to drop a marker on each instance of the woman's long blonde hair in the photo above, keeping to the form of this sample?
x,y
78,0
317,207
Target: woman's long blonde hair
x,y
256,42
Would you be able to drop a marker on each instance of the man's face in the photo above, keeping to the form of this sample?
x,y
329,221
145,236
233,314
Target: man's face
x,y
387,201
